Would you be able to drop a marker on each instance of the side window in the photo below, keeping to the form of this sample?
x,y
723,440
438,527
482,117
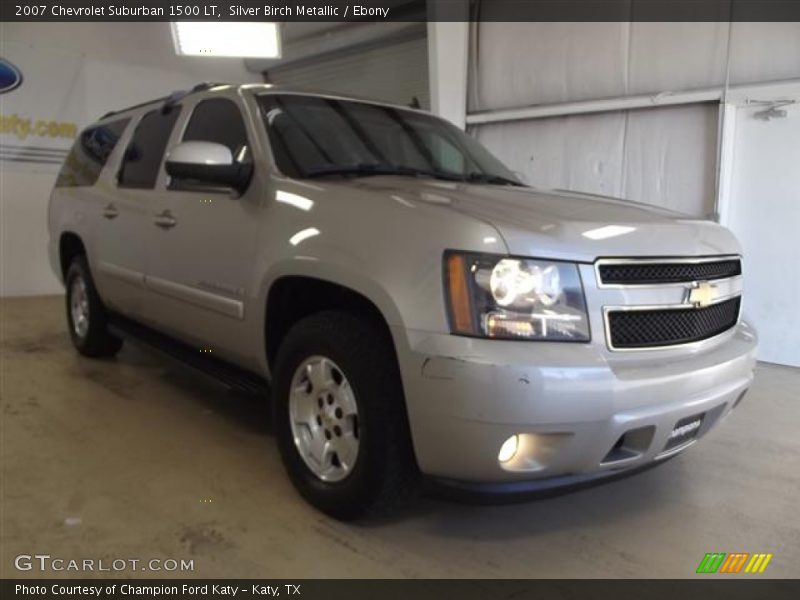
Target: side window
x,y
144,153
217,120
90,153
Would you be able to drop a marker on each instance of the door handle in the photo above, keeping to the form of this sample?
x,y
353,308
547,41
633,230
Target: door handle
x,y
165,220
110,211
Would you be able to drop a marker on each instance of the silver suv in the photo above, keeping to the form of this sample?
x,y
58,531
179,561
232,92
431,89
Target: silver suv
x,y
418,312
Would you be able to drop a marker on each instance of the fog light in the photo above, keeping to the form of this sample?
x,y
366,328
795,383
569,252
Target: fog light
x,y
508,449
532,452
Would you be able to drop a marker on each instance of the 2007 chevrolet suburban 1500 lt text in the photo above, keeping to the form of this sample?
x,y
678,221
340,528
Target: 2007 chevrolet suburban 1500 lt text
x,y
416,309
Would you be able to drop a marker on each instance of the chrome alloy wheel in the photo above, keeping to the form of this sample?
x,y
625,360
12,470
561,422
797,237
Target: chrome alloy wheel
x,y
79,307
324,418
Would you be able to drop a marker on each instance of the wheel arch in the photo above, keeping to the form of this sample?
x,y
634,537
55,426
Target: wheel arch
x,y
293,296
70,245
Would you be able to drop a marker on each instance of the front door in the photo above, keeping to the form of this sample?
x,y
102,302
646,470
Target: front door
x,y
203,245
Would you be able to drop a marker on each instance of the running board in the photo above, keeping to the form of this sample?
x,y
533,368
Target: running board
x,y
231,376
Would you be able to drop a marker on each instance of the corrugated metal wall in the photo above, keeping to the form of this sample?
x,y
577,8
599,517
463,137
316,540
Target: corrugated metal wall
x,y
663,156
524,64
394,72
666,155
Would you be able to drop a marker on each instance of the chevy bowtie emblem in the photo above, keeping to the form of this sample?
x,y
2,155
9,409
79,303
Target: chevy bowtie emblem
x,y
702,294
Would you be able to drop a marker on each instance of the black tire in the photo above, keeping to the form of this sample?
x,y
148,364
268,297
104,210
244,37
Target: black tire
x,y
384,472
97,341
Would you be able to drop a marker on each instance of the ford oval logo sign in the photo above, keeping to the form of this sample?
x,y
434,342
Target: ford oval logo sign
x,y
10,76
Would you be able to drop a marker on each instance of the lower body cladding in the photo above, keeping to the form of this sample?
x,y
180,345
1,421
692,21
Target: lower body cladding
x,y
503,417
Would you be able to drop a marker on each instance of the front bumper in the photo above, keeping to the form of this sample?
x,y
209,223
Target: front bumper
x,y
572,405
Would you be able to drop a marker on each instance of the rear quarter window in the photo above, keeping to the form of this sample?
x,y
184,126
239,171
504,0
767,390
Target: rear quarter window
x,y
90,153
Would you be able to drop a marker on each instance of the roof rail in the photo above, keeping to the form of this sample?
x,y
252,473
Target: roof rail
x,y
167,101
207,85
127,108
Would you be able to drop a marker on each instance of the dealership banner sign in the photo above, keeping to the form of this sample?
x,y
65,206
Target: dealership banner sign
x,y
42,106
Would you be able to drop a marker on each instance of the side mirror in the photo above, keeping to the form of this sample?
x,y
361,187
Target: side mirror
x,y
207,163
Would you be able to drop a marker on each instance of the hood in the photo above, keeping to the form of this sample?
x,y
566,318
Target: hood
x,y
568,225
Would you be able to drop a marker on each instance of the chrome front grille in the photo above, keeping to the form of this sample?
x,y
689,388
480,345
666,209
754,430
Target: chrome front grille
x,y
672,326
641,273
653,304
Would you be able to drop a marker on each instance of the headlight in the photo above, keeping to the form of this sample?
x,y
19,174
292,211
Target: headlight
x,y
515,298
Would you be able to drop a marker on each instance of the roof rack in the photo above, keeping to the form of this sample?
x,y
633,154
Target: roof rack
x,y
127,108
167,101
207,85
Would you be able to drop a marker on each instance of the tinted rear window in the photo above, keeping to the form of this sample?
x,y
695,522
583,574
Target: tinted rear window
x,y
89,154
143,155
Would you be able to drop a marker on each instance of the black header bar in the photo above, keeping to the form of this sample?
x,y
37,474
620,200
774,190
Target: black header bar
x,y
709,587
400,10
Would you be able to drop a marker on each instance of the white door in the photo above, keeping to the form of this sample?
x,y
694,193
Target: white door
x,y
764,213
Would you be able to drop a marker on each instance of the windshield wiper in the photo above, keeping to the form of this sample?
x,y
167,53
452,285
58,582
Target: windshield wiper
x,y
369,170
476,177
353,170
374,169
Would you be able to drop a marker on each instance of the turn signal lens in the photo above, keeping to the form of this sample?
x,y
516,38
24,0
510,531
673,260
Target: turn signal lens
x,y
460,310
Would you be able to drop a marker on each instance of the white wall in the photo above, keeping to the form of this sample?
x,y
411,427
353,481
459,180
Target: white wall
x,y
111,48
120,64
764,212
448,48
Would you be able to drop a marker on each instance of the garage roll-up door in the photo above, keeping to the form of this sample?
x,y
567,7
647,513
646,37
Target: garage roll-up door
x,y
395,72
664,156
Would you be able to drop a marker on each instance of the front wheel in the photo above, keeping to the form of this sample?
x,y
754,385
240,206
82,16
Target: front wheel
x,y
340,416
86,315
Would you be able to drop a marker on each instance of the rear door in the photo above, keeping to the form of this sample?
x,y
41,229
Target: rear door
x,y
203,243
117,224
122,233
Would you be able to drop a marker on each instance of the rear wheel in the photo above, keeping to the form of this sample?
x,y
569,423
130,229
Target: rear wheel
x,y
340,416
86,315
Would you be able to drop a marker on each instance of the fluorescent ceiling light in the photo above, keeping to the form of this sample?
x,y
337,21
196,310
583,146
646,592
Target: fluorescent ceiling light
x,y
226,39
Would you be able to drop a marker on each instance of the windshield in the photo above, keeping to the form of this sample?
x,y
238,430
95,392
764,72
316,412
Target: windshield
x,y
313,136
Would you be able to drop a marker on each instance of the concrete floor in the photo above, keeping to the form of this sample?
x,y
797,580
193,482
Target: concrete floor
x,y
140,458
